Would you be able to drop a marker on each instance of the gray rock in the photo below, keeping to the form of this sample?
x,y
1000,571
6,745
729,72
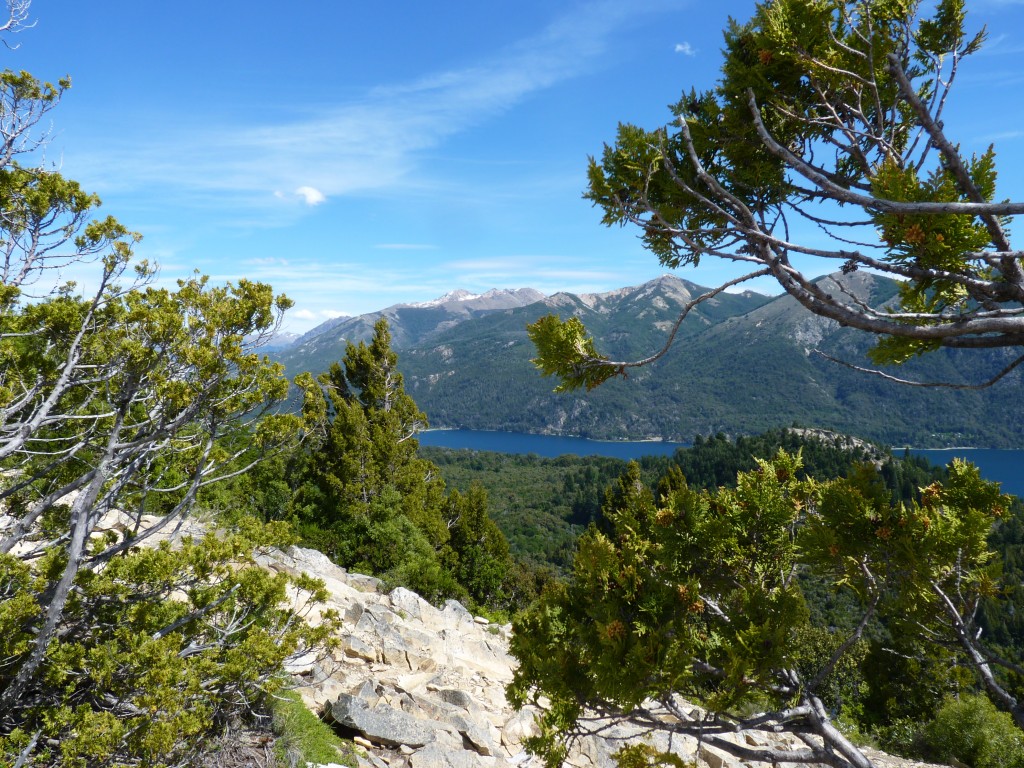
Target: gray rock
x,y
382,724
455,613
409,603
364,583
353,613
314,560
381,613
474,732
456,697
436,756
715,758
478,739
518,728
393,650
368,693
354,647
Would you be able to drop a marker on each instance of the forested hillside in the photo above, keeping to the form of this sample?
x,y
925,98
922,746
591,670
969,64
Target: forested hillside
x,y
742,364
542,505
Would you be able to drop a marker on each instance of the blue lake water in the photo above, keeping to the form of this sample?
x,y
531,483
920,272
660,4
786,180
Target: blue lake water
x,y
1004,466
548,446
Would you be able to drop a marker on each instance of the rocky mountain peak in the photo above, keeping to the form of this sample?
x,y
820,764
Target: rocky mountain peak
x,y
459,294
505,297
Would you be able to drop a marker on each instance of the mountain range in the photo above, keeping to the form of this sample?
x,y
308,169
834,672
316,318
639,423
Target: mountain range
x,y
742,363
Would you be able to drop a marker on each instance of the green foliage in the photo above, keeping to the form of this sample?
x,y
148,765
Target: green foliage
x,y
905,679
645,756
120,405
692,594
739,164
920,551
973,731
542,505
478,552
303,738
363,495
695,593
842,689
566,350
936,242
1002,615
158,652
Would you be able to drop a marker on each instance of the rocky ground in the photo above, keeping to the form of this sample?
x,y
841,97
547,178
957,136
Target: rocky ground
x,y
423,687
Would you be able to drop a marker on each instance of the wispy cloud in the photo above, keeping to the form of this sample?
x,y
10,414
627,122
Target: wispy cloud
x,y
544,272
369,143
348,287
1003,44
323,314
686,49
1003,136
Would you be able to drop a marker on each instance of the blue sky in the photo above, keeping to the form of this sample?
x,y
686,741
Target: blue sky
x,y
357,155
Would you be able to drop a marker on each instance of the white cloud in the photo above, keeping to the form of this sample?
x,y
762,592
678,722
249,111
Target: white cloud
x,y
365,144
311,195
685,49
320,314
547,273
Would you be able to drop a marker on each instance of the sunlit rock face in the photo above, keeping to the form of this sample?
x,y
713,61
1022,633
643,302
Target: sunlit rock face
x,y
425,686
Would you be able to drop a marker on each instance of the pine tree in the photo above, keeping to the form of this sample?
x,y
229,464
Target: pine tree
x,y
366,498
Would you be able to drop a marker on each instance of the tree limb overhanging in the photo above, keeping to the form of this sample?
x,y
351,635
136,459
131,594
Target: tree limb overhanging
x,y
828,115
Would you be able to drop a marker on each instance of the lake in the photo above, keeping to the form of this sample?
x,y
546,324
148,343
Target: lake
x,y
1006,467
548,446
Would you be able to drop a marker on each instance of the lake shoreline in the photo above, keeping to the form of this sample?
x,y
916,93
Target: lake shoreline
x,y
1003,465
557,434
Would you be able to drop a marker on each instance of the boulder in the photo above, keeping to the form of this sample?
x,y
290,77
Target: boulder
x,y
455,697
517,728
353,647
436,756
382,724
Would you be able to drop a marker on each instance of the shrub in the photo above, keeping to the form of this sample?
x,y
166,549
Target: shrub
x,y
970,729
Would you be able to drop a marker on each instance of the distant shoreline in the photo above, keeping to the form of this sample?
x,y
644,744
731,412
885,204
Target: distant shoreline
x,y
553,434
954,448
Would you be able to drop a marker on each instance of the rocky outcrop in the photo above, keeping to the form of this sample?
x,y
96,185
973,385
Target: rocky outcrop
x,y
424,687
419,686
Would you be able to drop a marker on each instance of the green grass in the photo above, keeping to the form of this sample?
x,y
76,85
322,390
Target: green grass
x,y
303,738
